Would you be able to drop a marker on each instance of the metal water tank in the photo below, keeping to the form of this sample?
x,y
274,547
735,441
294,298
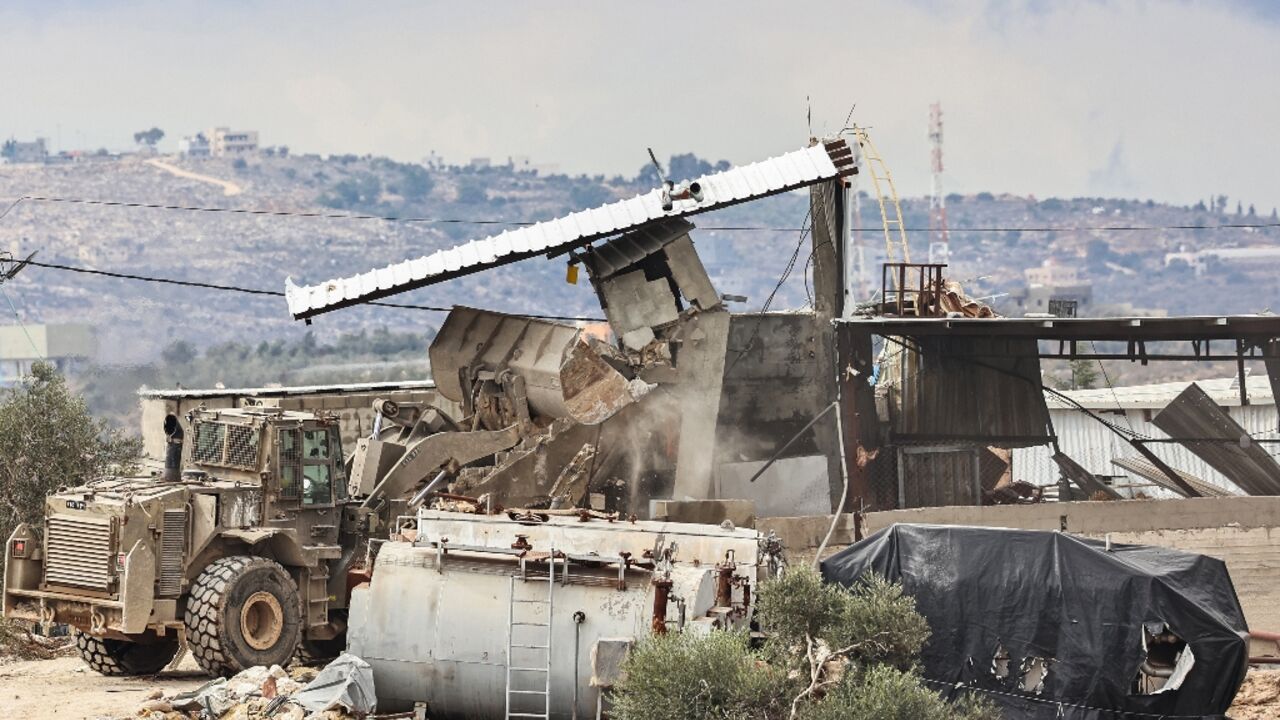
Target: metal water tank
x,y
467,618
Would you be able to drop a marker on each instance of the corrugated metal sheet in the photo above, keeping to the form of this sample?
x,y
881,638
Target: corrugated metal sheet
x,y
934,396
798,169
1224,391
607,259
1145,469
1094,446
1219,440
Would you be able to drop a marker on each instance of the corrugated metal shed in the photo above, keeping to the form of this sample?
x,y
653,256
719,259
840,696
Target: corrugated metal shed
x,y
1224,391
793,170
1095,447
934,397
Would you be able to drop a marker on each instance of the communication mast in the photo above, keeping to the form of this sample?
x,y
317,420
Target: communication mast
x,y
939,237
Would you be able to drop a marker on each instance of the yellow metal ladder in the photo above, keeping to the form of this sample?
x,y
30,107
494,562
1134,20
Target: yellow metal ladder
x,y
895,233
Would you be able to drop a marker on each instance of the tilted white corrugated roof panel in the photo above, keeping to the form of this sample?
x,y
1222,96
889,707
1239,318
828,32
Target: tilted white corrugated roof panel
x,y
813,164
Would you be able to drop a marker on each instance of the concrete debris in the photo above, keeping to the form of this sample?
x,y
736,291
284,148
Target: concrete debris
x,y
267,692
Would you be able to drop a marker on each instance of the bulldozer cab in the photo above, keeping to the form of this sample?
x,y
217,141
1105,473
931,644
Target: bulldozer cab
x,y
295,457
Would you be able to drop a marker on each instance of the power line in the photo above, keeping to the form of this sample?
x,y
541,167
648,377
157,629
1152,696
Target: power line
x,y
268,213
768,302
255,291
21,324
512,223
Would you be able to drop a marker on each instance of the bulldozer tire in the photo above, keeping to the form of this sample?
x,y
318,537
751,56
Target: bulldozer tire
x,y
316,652
111,657
243,611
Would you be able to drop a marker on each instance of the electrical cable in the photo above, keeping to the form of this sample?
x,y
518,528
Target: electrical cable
x,y
17,316
768,302
1112,388
513,223
258,291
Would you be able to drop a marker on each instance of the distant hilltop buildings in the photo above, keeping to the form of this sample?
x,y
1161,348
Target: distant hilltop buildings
x,y
17,151
219,142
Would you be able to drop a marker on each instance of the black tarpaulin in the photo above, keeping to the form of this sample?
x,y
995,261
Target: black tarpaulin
x,y
1005,604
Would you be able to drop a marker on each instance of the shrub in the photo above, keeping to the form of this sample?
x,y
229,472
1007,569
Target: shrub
x,y
48,439
831,653
884,693
683,676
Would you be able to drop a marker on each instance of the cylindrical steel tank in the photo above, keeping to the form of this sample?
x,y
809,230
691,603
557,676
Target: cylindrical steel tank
x,y
438,616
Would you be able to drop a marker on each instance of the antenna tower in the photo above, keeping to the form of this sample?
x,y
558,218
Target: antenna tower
x,y
939,237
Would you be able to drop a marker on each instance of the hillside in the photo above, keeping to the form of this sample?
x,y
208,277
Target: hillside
x,y
258,251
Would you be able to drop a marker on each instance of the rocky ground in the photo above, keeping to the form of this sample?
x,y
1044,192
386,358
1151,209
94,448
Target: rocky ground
x,y
1259,697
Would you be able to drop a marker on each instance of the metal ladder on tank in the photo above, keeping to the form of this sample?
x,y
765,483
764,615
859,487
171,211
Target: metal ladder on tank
x,y
529,647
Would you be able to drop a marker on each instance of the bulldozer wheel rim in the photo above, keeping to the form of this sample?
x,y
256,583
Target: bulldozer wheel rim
x,y
261,620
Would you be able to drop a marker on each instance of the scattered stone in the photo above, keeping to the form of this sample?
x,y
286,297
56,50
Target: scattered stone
x,y
1259,696
155,705
154,694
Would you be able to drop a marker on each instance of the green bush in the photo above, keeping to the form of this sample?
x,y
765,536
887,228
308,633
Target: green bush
x,y
875,616
683,676
885,693
48,439
831,654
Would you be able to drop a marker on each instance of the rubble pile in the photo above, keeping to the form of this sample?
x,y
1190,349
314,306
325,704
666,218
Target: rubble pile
x,y
1258,698
342,691
17,642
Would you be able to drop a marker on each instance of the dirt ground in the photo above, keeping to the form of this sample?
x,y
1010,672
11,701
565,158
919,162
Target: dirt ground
x,y
65,688
1259,697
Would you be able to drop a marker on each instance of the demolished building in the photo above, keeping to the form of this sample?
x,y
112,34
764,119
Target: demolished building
x,y
688,399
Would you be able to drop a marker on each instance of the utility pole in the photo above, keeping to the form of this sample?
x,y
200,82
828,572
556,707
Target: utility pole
x,y
855,261
939,237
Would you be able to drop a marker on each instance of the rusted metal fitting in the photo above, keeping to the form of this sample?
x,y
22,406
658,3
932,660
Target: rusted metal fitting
x,y
521,543
661,595
724,584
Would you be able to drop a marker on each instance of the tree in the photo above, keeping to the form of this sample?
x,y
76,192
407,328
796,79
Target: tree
x,y
148,137
48,439
179,352
830,653
1084,375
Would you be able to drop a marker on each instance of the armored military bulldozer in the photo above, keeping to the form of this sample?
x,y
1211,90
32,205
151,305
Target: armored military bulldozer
x,y
242,550
254,534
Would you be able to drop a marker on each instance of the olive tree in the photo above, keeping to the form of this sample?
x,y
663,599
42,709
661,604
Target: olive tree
x,y
48,439
831,653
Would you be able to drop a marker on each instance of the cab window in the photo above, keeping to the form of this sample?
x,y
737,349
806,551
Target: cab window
x,y
290,464
317,479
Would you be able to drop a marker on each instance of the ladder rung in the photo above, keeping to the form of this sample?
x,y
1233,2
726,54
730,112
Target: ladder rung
x,y
529,624
528,715
527,692
541,670
535,602
533,647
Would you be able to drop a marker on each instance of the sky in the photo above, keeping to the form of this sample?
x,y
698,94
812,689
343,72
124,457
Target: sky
x,y
1173,101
